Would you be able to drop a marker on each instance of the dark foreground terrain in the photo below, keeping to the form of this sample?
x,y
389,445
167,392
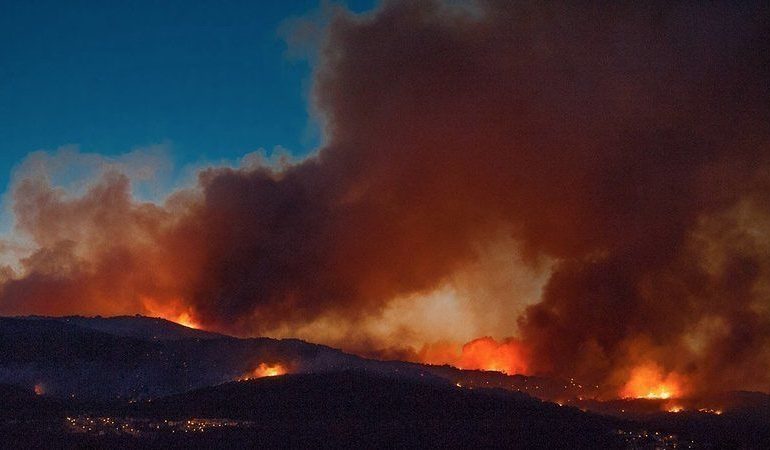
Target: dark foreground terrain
x,y
314,410
138,382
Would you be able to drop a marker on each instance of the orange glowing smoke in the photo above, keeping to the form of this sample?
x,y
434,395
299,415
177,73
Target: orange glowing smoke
x,y
173,311
648,381
265,370
184,319
507,356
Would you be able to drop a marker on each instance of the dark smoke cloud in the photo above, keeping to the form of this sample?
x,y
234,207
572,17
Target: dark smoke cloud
x,y
627,142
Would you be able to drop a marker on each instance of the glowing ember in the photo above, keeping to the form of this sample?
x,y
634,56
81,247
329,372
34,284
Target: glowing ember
x,y
265,370
648,381
39,389
718,412
675,409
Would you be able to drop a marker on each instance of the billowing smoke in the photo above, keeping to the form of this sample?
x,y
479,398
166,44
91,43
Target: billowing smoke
x,y
623,148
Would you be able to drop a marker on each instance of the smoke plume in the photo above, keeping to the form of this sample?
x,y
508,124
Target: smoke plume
x,y
618,152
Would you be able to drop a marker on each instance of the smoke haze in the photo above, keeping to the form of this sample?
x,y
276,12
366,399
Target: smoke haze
x,y
588,183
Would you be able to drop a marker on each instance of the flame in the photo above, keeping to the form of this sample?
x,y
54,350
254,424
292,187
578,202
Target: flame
x,y
718,412
648,381
675,409
265,370
184,319
485,353
172,311
39,389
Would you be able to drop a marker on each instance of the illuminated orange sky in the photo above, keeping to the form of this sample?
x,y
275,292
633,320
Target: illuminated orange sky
x,y
553,189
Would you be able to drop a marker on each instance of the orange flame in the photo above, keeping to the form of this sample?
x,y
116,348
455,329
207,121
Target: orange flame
x,y
675,408
39,389
185,320
648,381
172,311
484,353
265,370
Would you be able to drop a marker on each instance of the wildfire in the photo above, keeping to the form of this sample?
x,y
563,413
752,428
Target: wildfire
x,y
487,354
172,311
648,381
39,389
184,319
483,353
265,370
661,391
675,409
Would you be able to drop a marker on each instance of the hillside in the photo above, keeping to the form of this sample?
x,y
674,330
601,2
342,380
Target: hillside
x,y
138,357
108,381
356,408
140,327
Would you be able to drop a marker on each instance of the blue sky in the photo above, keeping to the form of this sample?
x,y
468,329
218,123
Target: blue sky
x,y
210,80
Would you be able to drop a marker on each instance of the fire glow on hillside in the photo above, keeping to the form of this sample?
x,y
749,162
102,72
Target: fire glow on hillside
x,y
507,356
588,194
173,311
265,370
648,381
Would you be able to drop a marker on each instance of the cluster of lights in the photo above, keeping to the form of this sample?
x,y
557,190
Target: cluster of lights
x,y
136,427
642,439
